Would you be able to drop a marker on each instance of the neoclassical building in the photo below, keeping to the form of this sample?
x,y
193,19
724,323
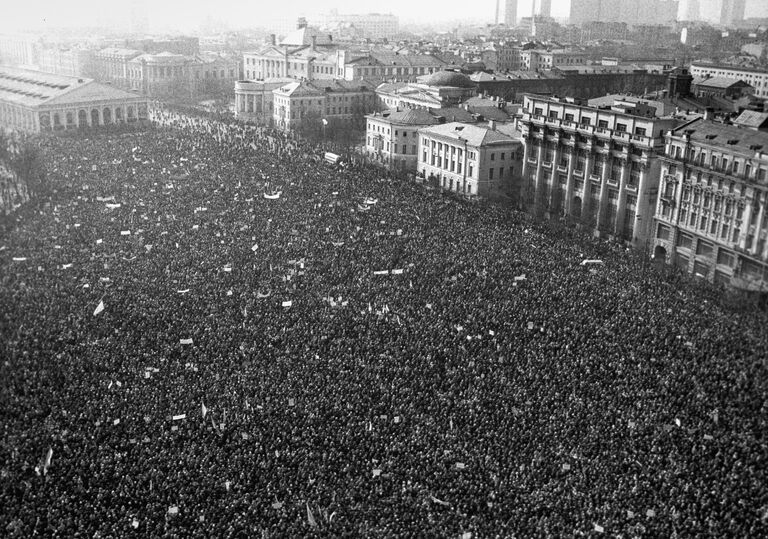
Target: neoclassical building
x,y
597,166
439,90
254,99
343,103
471,160
33,101
711,218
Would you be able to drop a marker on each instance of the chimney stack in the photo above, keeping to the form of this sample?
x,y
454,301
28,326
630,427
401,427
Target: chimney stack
x,y
272,39
709,113
492,125
314,42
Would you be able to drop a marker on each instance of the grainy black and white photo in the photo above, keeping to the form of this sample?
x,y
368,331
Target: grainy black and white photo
x,y
360,269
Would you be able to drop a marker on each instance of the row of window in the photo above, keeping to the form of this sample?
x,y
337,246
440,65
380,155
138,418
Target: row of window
x,y
586,121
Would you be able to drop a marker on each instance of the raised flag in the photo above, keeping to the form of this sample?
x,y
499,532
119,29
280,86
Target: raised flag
x,y
599,528
185,341
47,462
180,416
125,232
99,308
287,303
311,519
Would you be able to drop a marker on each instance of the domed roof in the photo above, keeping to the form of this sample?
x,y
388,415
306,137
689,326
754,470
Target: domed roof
x,y
449,78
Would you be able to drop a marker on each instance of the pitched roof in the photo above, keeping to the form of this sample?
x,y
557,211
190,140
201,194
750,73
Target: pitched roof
x,y
407,117
732,137
303,36
752,119
91,92
718,82
30,88
474,135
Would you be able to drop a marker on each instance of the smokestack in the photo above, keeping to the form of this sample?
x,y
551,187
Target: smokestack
x,y
497,11
314,42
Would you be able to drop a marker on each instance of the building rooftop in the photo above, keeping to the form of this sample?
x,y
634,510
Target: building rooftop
x,y
726,137
752,119
450,79
474,135
34,88
718,82
303,36
706,65
406,117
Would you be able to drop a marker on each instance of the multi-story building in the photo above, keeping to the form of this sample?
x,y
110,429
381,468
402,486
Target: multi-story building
x,y
594,166
471,160
383,65
510,13
254,100
756,78
439,90
628,11
711,217
111,65
367,25
20,50
392,138
302,103
179,76
33,101
537,59
732,12
72,62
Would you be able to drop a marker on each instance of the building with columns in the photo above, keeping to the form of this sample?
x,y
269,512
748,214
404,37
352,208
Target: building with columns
x,y
254,99
711,217
593,166
33,101
471,160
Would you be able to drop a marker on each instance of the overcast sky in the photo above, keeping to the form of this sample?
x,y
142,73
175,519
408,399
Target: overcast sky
x,y
188,14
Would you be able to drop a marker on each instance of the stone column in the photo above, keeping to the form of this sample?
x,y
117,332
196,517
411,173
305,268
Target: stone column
x,y
570,180
621,203
555,186
603,188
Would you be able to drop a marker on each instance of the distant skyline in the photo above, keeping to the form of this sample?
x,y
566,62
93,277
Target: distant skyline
x,y
183,15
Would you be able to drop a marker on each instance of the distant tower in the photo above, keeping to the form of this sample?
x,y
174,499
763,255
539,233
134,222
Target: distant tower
x,y
689,10
732,11
545,8
510,13
496,19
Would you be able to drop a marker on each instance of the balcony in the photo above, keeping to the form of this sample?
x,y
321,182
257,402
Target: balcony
x,y
622,135
595,178
586,129
547,164
579,173
561,168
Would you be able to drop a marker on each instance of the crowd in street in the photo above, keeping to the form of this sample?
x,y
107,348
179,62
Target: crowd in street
x,y
355,356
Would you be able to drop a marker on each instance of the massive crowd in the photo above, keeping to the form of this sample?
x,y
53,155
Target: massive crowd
x,y
359,357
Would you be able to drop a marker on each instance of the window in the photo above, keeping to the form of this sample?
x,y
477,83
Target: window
x,y
621,128
704,248
725,258
538,111
569,117
502,156
586,121
553,114
501,172
602,124
685,241
662,232
640,131
493,156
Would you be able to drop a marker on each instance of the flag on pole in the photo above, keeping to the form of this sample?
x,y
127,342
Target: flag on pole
x,y
205,410
99,308
47,461
311,519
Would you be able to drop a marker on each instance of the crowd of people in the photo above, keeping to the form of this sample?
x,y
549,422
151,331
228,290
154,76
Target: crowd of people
x,y
354,356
